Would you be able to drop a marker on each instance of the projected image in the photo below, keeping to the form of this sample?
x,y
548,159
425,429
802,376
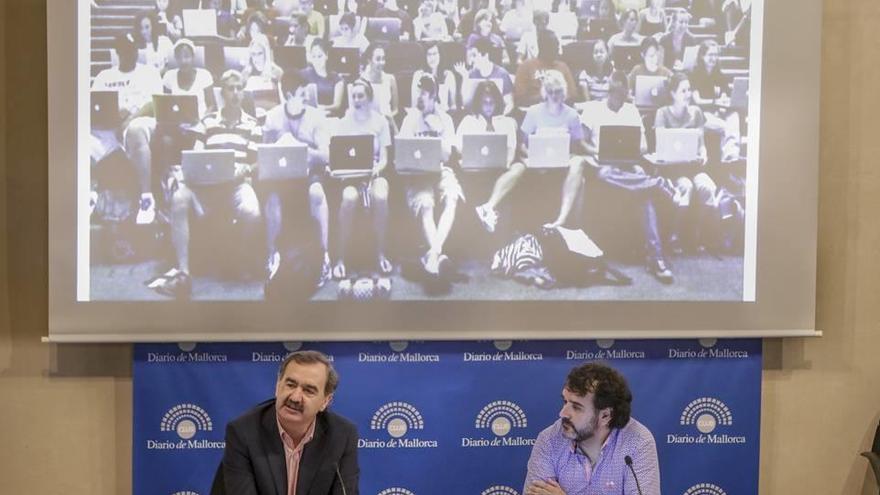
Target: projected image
x,y
478,150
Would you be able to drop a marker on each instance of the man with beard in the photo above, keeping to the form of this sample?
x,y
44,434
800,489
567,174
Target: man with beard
x,y
595,447
292,444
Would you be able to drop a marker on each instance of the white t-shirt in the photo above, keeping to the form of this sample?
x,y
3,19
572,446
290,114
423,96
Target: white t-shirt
x,y
597,114
136,88
203,80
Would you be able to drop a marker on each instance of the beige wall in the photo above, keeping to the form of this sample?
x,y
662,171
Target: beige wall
x,y
65,414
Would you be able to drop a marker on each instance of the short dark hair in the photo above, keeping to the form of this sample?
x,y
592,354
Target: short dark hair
x,y
619,77
675,81
648,42
609,389
348,19
484,46
312,357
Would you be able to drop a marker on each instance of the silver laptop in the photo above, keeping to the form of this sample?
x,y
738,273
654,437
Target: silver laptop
x,y
486,151
549,150
176,109
689,58
469,86
417,155
650,91
208,167
739,96
283,161
199,22
677,145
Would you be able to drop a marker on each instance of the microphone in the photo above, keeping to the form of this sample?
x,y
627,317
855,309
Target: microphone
x,y
629,462
339,475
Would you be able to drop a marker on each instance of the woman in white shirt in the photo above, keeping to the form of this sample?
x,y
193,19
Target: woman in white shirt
x,y
486,116
444,77
384,84
153,49
187,79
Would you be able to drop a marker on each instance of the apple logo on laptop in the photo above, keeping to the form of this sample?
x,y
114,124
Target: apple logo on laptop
x,y
342,59
175,108
417,155
97,108
677,146
208,166
282,162
351,152
484,151
384,29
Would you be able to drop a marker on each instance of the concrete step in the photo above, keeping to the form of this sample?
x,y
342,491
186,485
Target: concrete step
x,y
113,20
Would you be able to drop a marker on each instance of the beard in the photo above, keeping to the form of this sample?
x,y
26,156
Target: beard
x,y
571,432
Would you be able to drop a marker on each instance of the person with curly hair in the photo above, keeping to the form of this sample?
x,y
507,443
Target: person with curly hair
x,y
595,444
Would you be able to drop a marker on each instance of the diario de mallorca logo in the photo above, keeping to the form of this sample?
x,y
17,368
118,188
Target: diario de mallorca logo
x,y
397,355
705,489
500,417
606,349
396,490
706,414
279,355
187,492
710,350
186,353
502,353
499,490
185,421
396,419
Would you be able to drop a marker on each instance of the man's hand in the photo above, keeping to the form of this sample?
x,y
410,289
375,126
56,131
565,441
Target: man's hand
x,y
549,487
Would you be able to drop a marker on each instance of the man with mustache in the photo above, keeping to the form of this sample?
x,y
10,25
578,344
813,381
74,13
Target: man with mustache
x,y
292,445
587,451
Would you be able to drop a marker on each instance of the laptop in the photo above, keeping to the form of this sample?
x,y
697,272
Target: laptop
x,y
549,150
208,167
264,99
486,151
739,96
105,109
291,58
626,57
469,87
351,155
343,60
283,161
677,145
619,144
650,91
383,29
689,58
199,22
601,29
327,7
417,155
176,109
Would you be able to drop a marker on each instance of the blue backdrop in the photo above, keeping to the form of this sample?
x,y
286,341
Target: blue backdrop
x,y
455,417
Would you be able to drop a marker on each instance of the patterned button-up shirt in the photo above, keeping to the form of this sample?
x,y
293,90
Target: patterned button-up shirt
x,y
554,457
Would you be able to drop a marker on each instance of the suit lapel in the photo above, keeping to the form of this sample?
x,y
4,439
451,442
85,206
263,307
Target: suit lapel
x,y
313,455
271,438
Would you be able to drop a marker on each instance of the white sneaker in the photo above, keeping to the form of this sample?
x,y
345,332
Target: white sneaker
x,y
146,211
488,217
272,265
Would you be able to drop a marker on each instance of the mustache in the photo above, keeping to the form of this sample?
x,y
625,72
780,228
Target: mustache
x,y
297,406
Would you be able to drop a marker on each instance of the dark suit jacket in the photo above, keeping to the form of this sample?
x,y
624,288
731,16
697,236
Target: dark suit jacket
x,y
254,464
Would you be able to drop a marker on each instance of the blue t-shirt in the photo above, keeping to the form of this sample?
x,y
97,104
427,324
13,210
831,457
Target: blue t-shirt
x,y
498,72
326,86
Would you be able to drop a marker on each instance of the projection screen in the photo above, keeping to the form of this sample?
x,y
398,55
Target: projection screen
x,y
222,170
